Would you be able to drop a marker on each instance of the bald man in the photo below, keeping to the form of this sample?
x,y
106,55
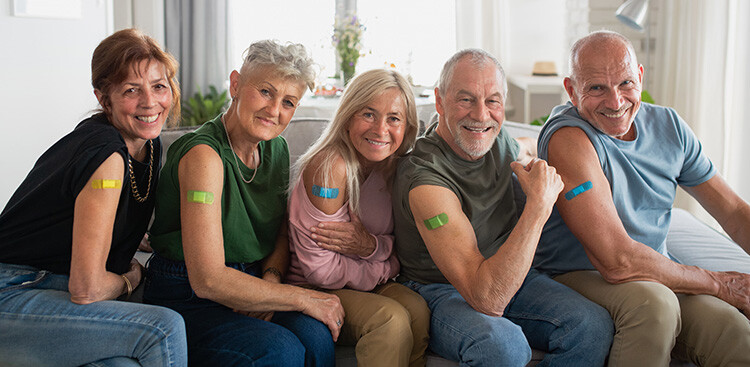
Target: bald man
x,y
621,161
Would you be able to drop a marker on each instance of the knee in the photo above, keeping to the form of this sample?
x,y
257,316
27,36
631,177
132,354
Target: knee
x,y
498,345
591,329
653,306
392,320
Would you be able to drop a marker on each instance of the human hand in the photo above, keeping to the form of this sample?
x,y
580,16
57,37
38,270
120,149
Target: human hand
x,y
734,288
135,272
145,244
325,308
348,238
539,181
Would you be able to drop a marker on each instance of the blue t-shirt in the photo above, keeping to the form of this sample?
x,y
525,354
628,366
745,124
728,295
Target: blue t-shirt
x,y
643,175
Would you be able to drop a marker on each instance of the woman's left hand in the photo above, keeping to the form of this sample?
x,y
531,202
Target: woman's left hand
x,y
348,238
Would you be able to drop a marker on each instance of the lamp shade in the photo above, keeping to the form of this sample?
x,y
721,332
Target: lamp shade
x,y
633,13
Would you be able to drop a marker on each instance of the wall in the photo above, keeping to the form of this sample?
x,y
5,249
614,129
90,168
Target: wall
x,y
536,33
46,87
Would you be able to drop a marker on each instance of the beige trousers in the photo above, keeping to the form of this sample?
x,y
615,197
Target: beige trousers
x,y
652,323
389,326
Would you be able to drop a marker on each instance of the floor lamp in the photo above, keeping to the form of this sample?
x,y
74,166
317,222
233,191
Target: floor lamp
x,y
634,14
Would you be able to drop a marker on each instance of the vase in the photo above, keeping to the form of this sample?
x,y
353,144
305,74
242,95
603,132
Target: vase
x,y
348,73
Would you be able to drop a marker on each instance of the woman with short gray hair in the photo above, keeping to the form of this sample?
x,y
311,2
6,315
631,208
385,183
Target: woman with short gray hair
x,y
220,234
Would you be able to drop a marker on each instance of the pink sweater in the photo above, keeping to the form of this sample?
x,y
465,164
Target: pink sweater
x,y
311,264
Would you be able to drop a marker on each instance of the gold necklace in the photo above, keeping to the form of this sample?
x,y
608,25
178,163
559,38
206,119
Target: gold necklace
x,y
236,162
133,187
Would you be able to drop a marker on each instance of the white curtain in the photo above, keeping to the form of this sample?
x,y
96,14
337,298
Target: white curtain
x,y
196,34
484,24
702,55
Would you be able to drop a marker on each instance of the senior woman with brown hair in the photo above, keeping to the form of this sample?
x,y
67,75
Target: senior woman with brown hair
x,y
341,221
69,232
220,234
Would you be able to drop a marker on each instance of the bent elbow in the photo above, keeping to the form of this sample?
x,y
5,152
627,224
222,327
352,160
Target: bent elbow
x,y
618,273
82,294
202,286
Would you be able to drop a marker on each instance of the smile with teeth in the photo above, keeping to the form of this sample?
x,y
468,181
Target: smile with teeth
x,y
378,143
147,119
616,114
477,129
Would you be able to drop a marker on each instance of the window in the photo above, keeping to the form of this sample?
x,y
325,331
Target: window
x,y
299,21
415,36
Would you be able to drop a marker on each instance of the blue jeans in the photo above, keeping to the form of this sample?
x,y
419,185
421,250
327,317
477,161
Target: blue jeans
x,y
40,326
217,336
543,315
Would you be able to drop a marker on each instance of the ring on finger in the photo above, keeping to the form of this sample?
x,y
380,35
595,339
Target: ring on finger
x,y
338,323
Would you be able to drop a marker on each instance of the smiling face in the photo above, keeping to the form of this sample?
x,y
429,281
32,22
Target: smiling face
x,y
606,87
377,130
139,106
472,108
263,102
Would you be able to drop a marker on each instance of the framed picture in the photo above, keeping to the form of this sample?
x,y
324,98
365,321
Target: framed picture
x,y
54,9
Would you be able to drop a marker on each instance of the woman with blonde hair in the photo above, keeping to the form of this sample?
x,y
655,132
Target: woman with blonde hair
x,y
68,234
341,223
220,234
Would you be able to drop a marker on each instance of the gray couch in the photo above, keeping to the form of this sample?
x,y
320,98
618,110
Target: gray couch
x,y
686,240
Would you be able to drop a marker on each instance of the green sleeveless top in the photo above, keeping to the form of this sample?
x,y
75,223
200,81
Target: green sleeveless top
x,y
251,214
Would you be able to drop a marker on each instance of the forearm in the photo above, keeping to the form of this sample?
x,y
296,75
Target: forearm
x,y
383,248
506,270
331,270
94,288
635,261
738,226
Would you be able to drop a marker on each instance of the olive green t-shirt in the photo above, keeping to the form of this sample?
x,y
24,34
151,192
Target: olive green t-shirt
x,y
251,214
483,187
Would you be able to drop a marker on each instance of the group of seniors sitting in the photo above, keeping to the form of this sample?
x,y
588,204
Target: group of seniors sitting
x,y
380,240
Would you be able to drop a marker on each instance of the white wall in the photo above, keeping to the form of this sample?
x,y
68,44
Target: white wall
x,y
537,32
45,69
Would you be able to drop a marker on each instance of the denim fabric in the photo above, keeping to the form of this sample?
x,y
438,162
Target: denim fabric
x,y
543,314
40,326
217,336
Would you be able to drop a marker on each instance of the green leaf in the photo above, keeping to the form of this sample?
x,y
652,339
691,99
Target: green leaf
x,y
646,97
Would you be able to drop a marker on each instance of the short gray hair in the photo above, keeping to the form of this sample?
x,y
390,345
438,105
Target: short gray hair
x,y
596,36
290,60
478,57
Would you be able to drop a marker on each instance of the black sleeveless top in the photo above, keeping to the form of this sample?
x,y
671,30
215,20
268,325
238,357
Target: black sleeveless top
x,y
36,226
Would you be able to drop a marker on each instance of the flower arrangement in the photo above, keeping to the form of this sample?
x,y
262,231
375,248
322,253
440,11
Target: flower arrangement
x,y
347,37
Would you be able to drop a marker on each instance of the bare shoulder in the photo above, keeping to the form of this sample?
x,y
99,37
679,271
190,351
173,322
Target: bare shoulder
x,y
325,179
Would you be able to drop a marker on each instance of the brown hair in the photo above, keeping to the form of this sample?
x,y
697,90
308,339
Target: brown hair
x,y
117,54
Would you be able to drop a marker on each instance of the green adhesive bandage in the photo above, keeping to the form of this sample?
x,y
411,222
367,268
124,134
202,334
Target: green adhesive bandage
x,y
436,221
586,186
200,197
106,184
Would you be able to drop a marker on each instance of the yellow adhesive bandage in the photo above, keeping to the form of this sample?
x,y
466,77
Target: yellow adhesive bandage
x,y
200,197
436,221
106,184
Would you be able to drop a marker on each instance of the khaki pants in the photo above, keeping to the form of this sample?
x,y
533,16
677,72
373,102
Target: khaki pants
x,y
652,323
389,326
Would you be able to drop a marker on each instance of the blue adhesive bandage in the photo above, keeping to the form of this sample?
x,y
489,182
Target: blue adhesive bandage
x,y
579,190
325,192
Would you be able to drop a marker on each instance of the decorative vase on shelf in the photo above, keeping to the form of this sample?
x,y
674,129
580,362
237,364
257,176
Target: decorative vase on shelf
x,y
347,36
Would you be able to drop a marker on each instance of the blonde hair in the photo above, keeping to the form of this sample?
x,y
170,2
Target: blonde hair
x,y
334,141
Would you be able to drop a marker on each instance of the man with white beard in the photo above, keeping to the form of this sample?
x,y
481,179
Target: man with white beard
x,y
462,245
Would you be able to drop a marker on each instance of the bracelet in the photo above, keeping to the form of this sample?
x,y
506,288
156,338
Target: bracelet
x,y
128,285
273,271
